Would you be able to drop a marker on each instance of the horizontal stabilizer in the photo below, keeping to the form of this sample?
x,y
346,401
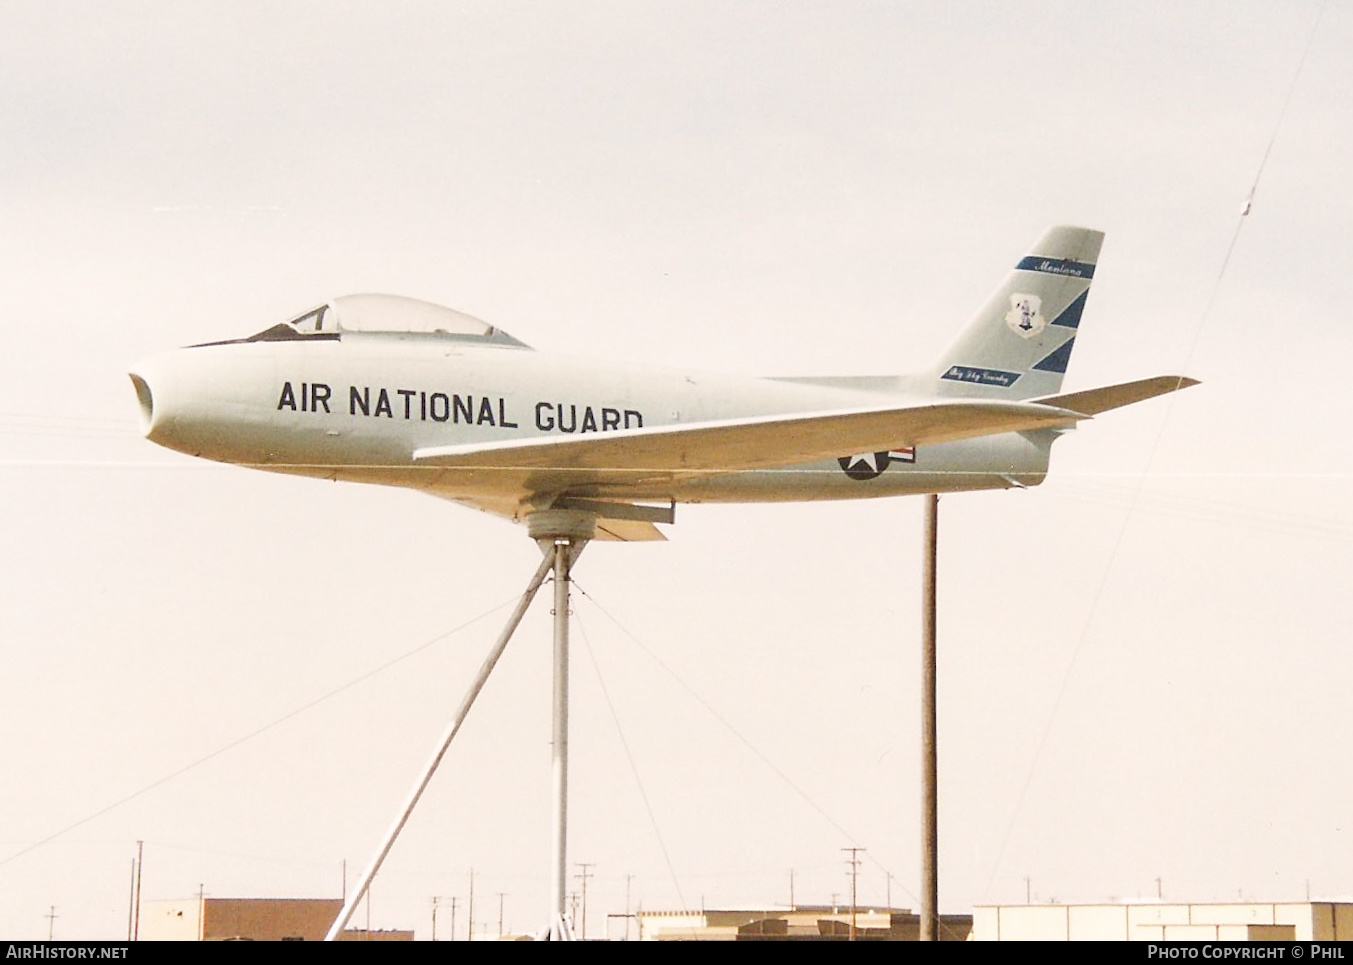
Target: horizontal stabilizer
x,y
746,444
1095,401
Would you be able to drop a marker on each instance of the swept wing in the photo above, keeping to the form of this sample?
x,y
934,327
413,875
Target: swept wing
x,y
743,444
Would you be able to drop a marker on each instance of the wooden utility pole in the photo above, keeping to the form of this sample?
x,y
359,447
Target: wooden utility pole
x,y
629,877
136,919
854,862
930,891
131,901
583,876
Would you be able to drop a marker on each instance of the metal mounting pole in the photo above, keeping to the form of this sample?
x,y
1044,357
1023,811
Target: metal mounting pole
x,y
485,669
565,531
930,888
559,745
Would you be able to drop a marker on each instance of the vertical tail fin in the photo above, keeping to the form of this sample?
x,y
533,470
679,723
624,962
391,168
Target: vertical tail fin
x,y
1018,345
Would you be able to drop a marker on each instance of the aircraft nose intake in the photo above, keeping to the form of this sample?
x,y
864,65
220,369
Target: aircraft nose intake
x,y
154,379
197,401
146,402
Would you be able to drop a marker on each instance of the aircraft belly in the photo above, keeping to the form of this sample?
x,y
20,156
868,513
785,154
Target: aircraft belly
x,y
997,462
994,462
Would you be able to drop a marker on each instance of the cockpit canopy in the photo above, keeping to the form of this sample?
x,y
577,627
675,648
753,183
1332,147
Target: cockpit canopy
x,y
386,314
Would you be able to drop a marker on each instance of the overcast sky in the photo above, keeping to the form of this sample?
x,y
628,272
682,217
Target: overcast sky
x,y
1144,661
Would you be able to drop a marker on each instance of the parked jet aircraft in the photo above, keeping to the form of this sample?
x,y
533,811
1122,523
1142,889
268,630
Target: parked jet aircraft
x,y
390,390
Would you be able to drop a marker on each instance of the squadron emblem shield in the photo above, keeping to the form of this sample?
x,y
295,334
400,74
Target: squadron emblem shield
x,y
1024,317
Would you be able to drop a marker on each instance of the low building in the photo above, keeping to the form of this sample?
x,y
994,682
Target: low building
x,y
249,919
797,923
1158,921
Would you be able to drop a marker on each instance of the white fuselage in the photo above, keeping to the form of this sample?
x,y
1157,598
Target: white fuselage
x,y
358,408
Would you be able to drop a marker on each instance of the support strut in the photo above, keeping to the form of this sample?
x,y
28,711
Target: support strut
x,y
485,669
561,535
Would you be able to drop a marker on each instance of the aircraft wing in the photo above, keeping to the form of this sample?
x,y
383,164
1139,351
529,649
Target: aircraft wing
x,y
709,448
